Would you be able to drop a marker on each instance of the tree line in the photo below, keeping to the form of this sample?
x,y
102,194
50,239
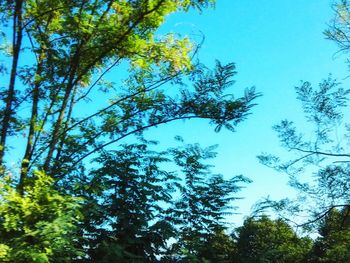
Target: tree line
x,y
91,187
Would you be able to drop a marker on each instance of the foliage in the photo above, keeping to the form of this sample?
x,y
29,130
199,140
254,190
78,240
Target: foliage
x,y
64,55
75,44
317,161
264,240
132,213
218,247
38,226
338,30
205,199
334,241
321,155
131,193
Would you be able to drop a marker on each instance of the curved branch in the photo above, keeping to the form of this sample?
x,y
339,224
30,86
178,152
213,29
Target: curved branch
x,y
322,215
133,132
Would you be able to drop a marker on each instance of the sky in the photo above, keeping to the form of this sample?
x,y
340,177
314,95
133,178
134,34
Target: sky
x,y
275,45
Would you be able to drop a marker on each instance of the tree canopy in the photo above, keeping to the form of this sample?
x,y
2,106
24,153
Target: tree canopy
x,y
318,162
73,45
82,77
264,240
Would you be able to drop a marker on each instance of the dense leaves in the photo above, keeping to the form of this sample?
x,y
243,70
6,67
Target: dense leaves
x,y
205,200
333,244
131,192
40,225
133,212
264,240
75,47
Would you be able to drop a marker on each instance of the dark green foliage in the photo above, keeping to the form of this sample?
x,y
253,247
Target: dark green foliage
x,y
264,240
104,201
130,193
333,244
132,214
218,247
64,54
205,200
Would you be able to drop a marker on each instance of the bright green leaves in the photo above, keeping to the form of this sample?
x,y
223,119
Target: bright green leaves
x,y
169,54
198,4
4,253
130,196
76,43
39,225
97,32
338,30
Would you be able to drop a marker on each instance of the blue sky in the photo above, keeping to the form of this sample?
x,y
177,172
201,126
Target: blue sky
x,y
275,45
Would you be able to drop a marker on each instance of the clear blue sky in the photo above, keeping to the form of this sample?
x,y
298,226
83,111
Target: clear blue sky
x,y
275,44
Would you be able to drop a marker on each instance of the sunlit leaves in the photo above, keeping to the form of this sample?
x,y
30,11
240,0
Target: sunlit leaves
x,y
38,225
74,47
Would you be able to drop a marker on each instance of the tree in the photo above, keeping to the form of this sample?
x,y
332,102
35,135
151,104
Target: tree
x,y
322,156
265,240
132,213
333,243
131,193
39,226
320,150
218,247
338,30
74,44
200,212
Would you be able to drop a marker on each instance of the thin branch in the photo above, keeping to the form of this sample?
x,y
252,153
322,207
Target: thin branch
x,y
153,86
98,79
299,159
44,13
120,39
321,215
320,152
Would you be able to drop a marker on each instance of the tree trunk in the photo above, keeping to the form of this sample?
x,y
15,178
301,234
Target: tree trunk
x,y
17,41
